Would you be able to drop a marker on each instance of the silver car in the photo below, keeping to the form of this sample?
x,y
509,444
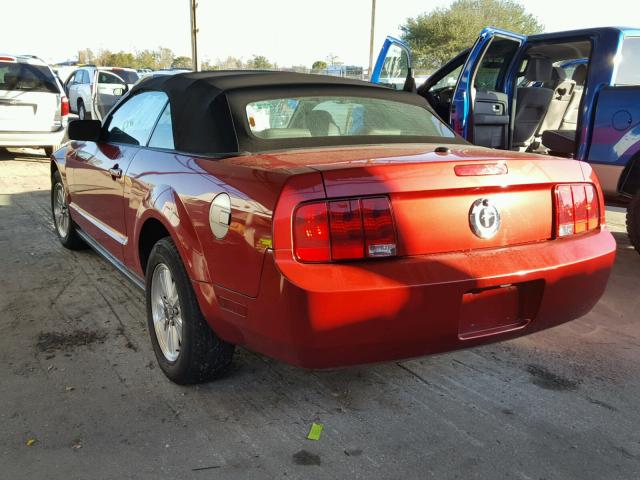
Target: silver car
x,y
89,81
33,106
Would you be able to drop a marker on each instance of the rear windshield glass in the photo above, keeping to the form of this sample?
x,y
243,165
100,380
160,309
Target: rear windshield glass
x,y
128,77
629,69
25,77
300,117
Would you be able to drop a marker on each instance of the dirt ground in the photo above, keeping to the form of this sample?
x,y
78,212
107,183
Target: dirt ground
x,y
81,396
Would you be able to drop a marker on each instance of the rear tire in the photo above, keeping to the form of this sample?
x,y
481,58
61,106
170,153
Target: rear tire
x,y
186,348
64,227
633,221
82,112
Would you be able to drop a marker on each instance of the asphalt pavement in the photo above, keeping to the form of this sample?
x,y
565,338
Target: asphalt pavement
x,y
81,396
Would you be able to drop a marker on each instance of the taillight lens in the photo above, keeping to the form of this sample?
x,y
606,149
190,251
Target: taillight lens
x,y
347,229
577,209
64,107
345,220
380,232
311,233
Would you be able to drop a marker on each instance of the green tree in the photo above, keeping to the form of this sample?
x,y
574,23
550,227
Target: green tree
x,y
86,56
207,65
438,36
319,65
182,62
120,59
147,59
165,57
259,62
230,63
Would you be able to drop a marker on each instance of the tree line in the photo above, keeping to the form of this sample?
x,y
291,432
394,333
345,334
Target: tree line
x,y
162,58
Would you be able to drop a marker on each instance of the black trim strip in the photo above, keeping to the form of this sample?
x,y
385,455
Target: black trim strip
x,y
100,250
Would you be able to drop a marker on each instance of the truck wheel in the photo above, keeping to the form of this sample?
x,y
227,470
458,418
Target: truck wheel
x,y
633,221
64,226
187,349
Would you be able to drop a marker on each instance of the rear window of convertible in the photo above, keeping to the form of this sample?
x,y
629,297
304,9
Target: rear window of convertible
x,y
328,116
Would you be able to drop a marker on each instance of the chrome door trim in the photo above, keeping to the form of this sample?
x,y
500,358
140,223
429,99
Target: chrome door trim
x,y
114,234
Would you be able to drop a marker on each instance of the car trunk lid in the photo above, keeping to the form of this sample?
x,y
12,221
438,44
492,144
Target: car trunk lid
x,y
450,201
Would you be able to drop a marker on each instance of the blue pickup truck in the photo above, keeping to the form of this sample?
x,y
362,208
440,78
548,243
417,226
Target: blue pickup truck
x,y
572,94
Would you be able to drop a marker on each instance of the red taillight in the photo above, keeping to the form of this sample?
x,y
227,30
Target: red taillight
x,y
311,233
577,209
593,208
64,107
345,220
347,229
380,232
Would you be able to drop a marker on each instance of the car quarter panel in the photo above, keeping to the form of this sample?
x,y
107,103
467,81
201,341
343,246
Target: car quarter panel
x,y
178,190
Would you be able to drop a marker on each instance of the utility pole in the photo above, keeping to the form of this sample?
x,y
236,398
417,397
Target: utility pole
x,y
194,36
373,28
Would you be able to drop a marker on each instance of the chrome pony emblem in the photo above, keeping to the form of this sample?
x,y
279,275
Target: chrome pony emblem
x,y
484,218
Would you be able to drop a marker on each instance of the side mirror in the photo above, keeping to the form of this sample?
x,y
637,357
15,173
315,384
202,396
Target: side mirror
x,y
118,92
84,130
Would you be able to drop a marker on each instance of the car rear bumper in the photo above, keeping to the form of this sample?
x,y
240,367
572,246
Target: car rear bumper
x,y
338,315
31,139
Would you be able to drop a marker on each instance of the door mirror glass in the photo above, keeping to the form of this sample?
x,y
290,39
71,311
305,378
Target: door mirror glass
x,y
118,92
84,130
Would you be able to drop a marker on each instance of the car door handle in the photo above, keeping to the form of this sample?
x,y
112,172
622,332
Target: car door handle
x,y
115,172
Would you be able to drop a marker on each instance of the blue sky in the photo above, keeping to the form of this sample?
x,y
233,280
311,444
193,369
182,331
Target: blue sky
x,y
290,32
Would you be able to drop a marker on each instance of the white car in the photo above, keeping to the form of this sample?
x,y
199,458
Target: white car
x,y
33,107
83,85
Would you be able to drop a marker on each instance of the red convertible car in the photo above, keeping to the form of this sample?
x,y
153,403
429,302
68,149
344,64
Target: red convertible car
x,y
323,222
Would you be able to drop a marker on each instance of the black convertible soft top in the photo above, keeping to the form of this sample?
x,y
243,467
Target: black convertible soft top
x,y
208,108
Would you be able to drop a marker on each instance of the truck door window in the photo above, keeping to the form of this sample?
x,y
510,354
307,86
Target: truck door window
x,y
494,64
395,68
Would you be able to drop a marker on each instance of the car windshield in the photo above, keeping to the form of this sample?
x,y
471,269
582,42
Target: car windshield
x,y
26,77
129,77
330,116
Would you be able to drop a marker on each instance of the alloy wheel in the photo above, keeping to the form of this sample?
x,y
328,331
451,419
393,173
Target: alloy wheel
x,y
60,210
166,313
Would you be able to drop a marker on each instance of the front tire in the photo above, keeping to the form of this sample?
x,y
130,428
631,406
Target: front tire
x,y
65,229
187,349
633,221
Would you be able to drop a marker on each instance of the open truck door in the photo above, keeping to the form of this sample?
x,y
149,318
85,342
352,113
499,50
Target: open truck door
x,y
473,92
393,66
108,89
482,100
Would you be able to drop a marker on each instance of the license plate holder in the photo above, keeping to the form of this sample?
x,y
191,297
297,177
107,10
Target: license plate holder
x,y
493,310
